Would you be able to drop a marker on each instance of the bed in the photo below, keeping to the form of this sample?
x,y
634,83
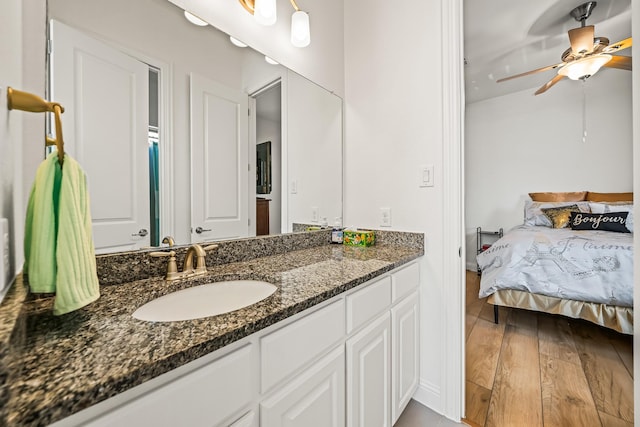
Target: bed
x,y
565,259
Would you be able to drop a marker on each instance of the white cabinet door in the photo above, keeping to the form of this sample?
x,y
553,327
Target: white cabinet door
x,y
405,318
105,127
219,161
313,399
205,397
368,375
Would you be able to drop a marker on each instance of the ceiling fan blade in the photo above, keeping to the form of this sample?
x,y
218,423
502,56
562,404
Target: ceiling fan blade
x,y
548,84
616,47
538,70
581,39
620,62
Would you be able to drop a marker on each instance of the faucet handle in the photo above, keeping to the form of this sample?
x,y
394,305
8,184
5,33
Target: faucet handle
x,y
168,240
172,265
210,247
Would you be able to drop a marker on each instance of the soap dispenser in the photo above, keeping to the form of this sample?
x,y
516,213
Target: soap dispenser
x,y
336,231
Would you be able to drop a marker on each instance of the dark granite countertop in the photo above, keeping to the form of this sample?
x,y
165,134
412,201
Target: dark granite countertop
x,y
59,365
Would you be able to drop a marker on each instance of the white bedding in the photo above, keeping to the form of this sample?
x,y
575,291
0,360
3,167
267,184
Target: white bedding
x,y
593,266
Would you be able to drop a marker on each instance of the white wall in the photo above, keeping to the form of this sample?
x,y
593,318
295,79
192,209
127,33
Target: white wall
x,y
520,143
393,125
10,129
314,123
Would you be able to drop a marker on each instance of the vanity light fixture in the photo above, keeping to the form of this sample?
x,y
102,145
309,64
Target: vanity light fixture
x,y
264,12
237,42
195,20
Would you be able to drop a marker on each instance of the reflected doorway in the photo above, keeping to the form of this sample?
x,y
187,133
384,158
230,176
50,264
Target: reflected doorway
x,y
268,152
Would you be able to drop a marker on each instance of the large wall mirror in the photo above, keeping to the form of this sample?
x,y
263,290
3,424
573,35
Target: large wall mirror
x,y
167,118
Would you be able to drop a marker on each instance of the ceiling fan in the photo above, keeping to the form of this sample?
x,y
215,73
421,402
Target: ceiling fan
x,y
586,55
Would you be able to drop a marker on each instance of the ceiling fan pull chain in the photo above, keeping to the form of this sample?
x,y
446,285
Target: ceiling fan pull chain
x,y
584,111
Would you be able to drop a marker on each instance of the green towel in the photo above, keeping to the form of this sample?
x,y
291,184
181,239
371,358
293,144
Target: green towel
x,y
59,251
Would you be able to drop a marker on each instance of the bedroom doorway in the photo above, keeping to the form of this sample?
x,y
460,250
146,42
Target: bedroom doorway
x,y
562,345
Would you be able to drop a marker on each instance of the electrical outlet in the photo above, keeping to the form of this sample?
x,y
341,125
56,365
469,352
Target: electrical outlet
x,y
385,217
294,186
5,275
315,215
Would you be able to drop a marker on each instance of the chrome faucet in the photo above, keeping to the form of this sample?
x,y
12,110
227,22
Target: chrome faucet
x,y
189,268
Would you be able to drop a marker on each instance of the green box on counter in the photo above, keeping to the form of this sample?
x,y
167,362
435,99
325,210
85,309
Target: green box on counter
x,y
358,237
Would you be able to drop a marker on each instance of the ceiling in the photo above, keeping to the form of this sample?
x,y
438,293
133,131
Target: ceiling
x,y
507,37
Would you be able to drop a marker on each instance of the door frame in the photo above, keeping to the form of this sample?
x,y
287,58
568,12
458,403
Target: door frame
x,y
452,356
253,93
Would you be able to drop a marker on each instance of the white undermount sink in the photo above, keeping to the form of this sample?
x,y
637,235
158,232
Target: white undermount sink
x,y
205,300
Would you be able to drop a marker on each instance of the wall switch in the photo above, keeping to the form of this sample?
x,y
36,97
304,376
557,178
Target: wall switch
x,y
315,216
5,275
294,186
385,217
425,176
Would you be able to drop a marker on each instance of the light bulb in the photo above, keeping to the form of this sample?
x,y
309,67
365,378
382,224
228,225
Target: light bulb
x,y
264,12
195,20
585,67
237,42
300,33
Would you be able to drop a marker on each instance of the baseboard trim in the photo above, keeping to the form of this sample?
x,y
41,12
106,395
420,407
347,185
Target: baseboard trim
x,y
428,394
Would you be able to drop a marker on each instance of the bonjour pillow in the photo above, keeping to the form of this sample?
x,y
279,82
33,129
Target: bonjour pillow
x,y
612,221
533,214
559,216
575,196
615,207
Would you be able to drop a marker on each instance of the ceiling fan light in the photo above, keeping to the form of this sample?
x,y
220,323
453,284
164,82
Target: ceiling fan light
x,y
300,33
265,12
585,67
195,20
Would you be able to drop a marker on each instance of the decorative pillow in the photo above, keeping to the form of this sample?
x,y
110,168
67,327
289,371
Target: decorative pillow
x,y
612,221
609,197
560,216
576,196
615,207
533,214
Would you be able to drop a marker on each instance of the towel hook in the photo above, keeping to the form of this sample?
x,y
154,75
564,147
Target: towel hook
x,y
25,101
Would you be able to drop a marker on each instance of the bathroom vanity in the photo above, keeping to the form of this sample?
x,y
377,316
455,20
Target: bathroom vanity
x,y
336,344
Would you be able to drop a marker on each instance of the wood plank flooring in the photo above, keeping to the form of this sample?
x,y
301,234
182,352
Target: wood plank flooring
x,y
536,369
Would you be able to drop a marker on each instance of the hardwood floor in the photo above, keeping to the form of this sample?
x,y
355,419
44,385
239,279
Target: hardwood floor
x,y
536,369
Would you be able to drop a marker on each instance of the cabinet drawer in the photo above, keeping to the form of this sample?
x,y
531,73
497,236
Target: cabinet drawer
x,y
404,281
365,304
289,349
204,397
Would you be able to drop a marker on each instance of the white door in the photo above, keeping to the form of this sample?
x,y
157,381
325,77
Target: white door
x,y
368,375
105,124
219,161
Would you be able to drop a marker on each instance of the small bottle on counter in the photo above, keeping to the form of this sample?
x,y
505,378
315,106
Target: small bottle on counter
x,y
336,231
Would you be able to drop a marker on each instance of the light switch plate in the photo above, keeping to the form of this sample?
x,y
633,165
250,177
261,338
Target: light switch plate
x,y
315,215
425,176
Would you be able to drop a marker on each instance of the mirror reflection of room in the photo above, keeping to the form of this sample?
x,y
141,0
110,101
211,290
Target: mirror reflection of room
x,y
177,176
